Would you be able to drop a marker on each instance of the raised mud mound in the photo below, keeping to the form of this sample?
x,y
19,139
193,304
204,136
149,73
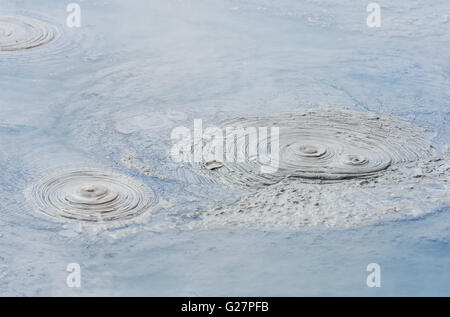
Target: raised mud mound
x,y
90,195
326,145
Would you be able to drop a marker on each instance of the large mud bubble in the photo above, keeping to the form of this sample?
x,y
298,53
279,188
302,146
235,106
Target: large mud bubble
x,y
326,145
336,169
90,196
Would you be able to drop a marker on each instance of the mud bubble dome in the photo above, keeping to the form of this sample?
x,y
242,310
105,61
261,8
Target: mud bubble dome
x,y
326,146
90,195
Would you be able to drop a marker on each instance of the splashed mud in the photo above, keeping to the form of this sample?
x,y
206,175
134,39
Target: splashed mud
x,y
21,33
90,196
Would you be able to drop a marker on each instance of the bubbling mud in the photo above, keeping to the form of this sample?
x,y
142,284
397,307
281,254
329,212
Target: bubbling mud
x,y
90,196
336,169
21,33
326,145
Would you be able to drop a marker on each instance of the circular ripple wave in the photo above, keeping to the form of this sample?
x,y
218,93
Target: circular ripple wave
x,y
21,33
90,195
321,145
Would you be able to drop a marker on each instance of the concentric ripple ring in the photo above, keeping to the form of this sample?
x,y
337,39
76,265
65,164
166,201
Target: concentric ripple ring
x,y
326,145
20,33
90,195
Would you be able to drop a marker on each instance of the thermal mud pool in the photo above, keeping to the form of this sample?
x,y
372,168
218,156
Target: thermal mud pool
x,y
100,163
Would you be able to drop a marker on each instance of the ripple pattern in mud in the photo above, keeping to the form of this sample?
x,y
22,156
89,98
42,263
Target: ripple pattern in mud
x,y
89,195
326,145
20,33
